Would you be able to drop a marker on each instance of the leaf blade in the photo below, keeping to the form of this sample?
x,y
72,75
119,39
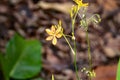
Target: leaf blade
x,y
21,61
27,62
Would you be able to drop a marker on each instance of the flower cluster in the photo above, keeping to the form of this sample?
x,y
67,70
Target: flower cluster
x,y
55,32
80,3
75,8
89,73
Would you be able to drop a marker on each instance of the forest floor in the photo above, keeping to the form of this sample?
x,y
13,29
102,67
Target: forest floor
x,y
30,18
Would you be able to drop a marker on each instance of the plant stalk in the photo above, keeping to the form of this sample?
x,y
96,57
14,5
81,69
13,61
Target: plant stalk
x,y
74,52
75,56
89,52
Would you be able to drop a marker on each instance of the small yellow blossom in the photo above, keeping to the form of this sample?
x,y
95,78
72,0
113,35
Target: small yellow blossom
x,y
91,74
80,3
55,32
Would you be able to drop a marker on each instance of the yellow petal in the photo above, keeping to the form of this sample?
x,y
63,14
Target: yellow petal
x,y
49,31
59,35
53,28
58,30
80,3
77,1
54,41
49,38
84,4
59,23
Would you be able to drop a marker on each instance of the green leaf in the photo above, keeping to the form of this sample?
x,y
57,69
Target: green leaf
x,y
3,66
37,79
13,51
118,71
1,58
23,58
1,61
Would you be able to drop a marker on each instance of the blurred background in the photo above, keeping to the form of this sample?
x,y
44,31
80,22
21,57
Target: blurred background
x,y
30,18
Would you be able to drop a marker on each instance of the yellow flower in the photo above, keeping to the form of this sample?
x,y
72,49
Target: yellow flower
x,y
80,4
55,32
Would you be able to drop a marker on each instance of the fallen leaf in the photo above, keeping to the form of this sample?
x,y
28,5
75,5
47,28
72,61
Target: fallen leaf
x,y
62,7
106,72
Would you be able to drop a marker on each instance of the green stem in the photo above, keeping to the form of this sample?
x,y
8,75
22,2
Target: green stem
x,y
89,53
69,44
75,62
74,52
75,56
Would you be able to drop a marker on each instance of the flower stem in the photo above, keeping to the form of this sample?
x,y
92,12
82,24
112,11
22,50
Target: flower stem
x,y
75,56
69,44
74,52
89,53
75,62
